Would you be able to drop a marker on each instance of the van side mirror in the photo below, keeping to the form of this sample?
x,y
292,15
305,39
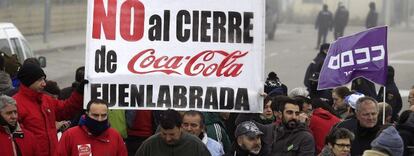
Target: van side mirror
x,y
42,61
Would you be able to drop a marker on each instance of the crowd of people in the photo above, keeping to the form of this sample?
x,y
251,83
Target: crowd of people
x,y
301,122
326,21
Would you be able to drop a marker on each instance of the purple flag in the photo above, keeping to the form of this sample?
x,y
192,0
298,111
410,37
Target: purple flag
x,y
360,55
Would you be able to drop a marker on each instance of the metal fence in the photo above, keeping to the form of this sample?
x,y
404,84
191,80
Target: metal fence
x,y
29,15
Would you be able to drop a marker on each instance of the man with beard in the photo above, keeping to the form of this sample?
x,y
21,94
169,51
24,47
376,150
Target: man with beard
x,y
193,123
365,126
289,138
172,140
248,141
93,135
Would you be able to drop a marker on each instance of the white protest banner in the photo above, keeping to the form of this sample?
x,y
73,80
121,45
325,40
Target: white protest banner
x,y
205,55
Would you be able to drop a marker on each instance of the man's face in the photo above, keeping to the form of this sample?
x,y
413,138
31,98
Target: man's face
x,y
251,144
38,85
98,112
368,114
411,97
342,147
191,124
9,114
170,136
290,115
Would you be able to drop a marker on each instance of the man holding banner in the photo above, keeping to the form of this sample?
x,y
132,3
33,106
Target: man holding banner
x,y
360,55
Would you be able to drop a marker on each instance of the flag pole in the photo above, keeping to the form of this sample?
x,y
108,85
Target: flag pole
x,y
383,107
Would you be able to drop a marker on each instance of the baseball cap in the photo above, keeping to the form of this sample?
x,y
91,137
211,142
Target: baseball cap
x,y
247,128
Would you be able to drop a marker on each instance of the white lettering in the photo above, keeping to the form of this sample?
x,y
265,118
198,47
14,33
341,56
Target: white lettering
x,y
333,59
381,48
367,56
346,58
350,61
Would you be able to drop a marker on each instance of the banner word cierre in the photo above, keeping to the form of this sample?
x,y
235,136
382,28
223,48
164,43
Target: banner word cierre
x,y
177,97
233,26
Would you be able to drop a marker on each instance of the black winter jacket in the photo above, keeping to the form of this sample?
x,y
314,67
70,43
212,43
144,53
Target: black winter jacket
x,y
363,136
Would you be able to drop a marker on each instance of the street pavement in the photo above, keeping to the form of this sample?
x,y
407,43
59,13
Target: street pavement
x,y
288,54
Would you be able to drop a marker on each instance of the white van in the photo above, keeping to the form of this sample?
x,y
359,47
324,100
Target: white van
x,y
12,42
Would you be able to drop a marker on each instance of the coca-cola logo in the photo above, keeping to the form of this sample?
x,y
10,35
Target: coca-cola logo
x,y
207,63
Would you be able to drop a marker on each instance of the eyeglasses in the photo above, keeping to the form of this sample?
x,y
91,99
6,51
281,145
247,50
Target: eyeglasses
x,y
343,145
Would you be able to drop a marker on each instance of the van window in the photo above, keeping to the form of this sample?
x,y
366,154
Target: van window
x,y
5,47
17,49
27,50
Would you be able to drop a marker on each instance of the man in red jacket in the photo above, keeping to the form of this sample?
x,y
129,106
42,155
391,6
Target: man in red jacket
x,y
13,139
93,136
38,111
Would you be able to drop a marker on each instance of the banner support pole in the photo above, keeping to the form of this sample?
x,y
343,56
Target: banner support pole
x,y
383,107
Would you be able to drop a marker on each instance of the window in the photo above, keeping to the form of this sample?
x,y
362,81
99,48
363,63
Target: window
x,y
17,49
5,47
27,50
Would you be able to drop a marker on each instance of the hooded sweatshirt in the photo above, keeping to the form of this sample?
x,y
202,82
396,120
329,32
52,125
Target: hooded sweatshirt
x,y
215,130
393,96
389,140
320,124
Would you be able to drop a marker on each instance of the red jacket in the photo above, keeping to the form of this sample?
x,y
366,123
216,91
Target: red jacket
x,y
22,138
38,112
320,124
77,141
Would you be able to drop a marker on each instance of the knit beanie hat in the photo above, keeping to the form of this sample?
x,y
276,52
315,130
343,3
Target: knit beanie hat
x,y
389,140
30,73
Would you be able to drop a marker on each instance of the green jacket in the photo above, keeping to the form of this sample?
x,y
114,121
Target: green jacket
x,y
187,145
117,120
215,130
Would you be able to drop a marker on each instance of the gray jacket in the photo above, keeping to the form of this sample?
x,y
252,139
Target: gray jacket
x,y
6,86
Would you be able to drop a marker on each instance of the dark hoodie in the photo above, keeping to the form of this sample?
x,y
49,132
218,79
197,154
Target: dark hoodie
x,y
320,124
291,142
364,86
406,131
393,95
